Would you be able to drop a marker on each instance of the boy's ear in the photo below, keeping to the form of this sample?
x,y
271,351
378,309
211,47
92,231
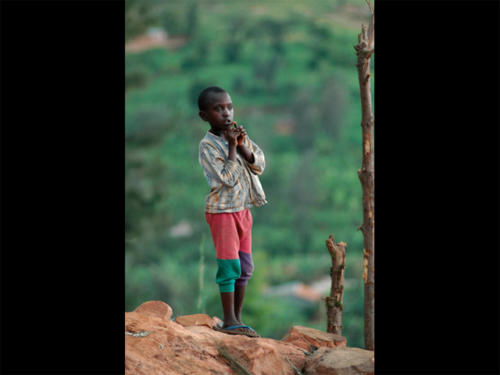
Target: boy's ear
x,y
203,115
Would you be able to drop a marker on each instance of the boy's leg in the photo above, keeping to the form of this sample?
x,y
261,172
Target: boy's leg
x,y
227,299
244,224
228,271
226,242
239,295
247,267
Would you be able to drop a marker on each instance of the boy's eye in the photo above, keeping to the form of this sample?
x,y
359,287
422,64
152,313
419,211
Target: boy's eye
x,y
221,108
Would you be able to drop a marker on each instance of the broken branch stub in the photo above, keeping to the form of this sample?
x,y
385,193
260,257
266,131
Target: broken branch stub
x,y
334,301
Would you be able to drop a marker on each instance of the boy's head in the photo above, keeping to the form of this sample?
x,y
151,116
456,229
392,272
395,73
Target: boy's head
x,y
216,108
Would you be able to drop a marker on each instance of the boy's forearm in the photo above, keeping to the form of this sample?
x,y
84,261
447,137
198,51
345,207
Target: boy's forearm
x,y
232,151
246,153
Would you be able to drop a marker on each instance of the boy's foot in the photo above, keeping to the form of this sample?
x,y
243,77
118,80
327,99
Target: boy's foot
x,y
238,329
250,328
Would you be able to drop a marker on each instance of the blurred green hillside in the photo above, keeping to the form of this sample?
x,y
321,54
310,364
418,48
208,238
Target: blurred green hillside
x,y
290,70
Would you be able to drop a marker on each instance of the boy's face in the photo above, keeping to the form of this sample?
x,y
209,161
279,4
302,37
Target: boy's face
x,y
219,112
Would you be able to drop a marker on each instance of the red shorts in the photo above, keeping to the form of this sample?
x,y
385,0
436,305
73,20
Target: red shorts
x,y
232,237
231,232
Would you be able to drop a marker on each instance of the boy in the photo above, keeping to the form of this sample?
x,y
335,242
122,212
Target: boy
x,y
231,164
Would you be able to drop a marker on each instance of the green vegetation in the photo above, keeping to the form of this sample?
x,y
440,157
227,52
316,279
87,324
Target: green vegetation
x,y
290,70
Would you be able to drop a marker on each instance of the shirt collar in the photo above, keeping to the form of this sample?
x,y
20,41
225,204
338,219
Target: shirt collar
x,y
216,137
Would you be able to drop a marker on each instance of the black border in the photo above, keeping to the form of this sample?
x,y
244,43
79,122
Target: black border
x,y
436,174
62,152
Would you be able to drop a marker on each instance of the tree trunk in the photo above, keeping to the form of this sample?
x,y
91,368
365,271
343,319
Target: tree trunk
x,y
364,50
334,301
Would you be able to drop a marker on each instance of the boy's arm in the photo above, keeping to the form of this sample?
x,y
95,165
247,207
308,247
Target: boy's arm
x,y
250,151
215,165
246,153
258,163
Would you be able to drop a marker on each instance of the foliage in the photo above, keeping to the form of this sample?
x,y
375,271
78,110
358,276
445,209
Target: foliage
x,y
138,16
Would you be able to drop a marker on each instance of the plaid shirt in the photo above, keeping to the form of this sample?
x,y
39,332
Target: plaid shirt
x,y
234,185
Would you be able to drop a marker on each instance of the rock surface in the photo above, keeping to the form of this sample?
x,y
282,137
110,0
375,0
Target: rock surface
x,y
310,338
197,320
340,361
156,345
155,308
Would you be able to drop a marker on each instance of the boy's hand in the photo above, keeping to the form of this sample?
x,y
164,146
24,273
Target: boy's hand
x,y
242,149
241,136
231,134
241,133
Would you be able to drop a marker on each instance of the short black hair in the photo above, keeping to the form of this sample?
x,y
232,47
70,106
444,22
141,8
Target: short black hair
x,y
204,98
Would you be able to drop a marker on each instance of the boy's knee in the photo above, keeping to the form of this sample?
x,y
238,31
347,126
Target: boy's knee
x,y
228,271
247,268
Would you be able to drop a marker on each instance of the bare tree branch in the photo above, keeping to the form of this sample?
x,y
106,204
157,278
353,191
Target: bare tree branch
x,y
364,50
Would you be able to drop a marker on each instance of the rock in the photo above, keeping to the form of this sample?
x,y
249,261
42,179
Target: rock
x,y
196,320
155,308
308,338
340,361
217,320
263,356
167,348
158,346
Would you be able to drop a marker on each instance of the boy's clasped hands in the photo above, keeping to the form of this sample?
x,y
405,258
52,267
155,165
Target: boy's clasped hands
x,y
235,134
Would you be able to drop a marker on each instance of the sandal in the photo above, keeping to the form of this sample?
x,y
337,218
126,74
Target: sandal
x,y
237,330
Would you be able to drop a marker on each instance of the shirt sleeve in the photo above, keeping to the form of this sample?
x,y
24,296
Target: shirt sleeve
x,y
259,164
217,169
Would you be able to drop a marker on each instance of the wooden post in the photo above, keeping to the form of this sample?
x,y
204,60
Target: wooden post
x,y
334,301
364,50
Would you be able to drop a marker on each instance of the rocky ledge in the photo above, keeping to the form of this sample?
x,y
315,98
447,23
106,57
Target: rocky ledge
x,y
156,345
